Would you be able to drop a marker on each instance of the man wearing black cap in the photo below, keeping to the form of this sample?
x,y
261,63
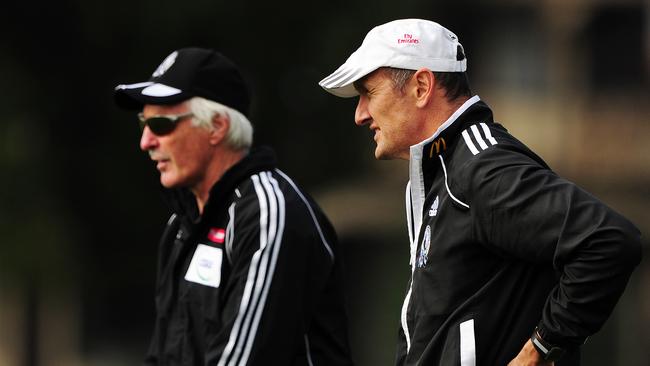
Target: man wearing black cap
x,y
249,271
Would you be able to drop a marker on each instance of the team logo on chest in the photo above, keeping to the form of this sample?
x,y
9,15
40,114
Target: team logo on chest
x,y
205,267
433,211
424,248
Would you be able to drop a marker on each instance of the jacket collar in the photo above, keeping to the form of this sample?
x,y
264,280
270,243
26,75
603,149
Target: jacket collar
x,y
183,202
444,138
471,111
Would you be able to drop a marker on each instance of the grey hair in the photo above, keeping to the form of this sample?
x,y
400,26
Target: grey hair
x,y
399,77
456,84
240,133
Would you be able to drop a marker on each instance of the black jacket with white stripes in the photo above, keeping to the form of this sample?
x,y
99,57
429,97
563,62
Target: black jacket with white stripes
x,y
499,245
255,280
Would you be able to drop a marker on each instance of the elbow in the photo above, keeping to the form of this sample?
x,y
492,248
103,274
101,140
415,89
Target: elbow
x,y
629,248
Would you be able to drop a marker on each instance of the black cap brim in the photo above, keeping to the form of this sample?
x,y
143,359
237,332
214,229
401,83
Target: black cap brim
x,y
135,96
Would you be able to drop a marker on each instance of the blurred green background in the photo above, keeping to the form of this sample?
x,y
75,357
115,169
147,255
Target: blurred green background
x,y
80,211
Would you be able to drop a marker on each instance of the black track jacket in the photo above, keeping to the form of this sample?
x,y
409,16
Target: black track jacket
x,y
255,280
499,245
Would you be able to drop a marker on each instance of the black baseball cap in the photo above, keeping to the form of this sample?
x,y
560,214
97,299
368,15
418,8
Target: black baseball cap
x,y
186,73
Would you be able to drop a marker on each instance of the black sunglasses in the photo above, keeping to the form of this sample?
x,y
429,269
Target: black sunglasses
x,y
161,125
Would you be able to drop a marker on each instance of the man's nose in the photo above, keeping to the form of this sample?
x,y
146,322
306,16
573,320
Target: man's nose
x,y
361,115
148,140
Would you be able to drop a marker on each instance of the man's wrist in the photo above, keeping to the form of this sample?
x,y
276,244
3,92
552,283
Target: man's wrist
x,y
548,351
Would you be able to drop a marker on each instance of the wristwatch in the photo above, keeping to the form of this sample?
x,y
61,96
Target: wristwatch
x,y
548,351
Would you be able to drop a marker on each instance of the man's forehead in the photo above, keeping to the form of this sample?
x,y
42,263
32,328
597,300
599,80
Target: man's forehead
x,y
165,108
372,80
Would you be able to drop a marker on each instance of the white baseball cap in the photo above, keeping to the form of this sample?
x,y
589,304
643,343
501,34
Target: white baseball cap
x,y
404,44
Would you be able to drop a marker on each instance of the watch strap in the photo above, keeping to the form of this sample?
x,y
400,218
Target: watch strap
x,y
548,351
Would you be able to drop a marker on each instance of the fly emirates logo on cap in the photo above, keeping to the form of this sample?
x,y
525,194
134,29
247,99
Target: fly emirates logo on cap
x,y
408,38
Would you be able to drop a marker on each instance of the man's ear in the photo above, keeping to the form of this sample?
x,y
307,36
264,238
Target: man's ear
x,y
220,127
424,83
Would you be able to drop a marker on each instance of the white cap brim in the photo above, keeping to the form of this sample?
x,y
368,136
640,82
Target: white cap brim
x,y
341,81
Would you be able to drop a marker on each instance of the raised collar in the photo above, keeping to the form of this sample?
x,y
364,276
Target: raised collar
x,y
437,144
417,149
183,202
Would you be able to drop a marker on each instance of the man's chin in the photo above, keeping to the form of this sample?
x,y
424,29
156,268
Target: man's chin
x,y
386,155
381,154
168,182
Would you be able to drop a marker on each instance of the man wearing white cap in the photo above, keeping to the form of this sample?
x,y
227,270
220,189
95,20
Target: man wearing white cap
x,y
510,263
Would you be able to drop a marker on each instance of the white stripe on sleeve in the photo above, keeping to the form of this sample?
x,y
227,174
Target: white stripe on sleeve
x,y
478,137
245,327
276,198
469,143
488,134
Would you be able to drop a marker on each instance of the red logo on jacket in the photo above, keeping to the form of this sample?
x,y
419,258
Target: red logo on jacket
x,y
217,235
